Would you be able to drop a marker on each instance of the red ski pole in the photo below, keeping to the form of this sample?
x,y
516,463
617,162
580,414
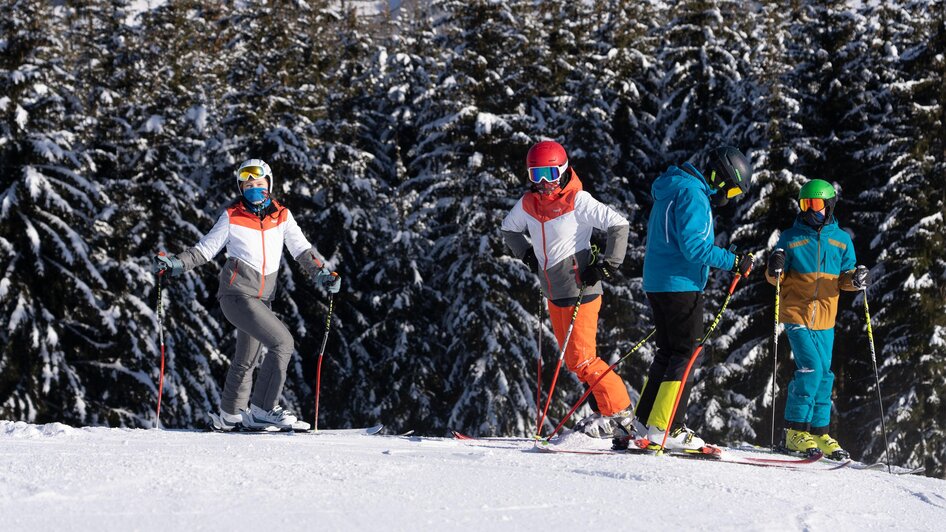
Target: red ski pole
x,y
696,353
592,387
558,366
160,312
318,372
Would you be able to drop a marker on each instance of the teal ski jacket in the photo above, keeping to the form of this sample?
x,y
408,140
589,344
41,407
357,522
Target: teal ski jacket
x,y
680,235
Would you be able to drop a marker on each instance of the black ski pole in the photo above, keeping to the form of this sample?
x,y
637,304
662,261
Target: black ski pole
x,y
778,291
880,401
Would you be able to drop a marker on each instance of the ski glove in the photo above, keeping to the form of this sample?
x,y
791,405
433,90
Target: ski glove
x,y
861,277
328,280
163,263
776,263
601,271
743,264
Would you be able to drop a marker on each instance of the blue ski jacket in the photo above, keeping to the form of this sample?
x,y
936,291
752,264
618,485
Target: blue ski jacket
x,y
680,235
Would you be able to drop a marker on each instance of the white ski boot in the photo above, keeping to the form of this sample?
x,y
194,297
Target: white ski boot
x,y
278,418
595,425
679,439
225,422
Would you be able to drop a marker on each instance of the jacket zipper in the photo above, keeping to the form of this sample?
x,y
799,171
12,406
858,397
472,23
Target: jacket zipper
x,y
545,265
814,297
262,283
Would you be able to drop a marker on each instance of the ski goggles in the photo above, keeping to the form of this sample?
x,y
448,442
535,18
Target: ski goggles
x,y
251,172
537,174
815,204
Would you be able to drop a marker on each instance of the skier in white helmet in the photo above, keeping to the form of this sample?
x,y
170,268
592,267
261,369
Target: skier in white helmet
x,y
254,229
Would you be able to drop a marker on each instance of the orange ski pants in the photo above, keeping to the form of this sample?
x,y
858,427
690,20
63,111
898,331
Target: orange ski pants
x,y
581,355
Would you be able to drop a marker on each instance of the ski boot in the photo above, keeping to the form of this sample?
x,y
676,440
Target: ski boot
x,y
800,442
276,419
679,439
225,422
828,445
595,426
623,429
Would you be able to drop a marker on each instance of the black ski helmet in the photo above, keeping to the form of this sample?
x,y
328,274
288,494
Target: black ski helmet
x,y
729,172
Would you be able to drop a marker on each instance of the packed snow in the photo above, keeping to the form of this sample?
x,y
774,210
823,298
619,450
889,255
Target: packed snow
x,y
59,477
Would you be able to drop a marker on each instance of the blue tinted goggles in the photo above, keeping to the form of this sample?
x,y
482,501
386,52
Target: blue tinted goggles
x,y
547,173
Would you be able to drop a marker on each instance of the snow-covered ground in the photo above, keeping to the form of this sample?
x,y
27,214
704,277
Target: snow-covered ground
x,y
55,477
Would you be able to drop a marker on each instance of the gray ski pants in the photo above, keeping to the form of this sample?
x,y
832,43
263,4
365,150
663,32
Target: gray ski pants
x,y
257,326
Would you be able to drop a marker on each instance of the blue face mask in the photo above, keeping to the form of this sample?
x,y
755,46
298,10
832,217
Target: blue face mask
x,y
813,218
256,196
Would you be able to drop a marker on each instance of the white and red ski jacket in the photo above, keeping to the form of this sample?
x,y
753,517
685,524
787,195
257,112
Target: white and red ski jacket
x,y
254,249
559,227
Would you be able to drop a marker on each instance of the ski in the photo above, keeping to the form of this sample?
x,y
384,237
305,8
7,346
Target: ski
x,y
853,464
708,453
298,429
465,437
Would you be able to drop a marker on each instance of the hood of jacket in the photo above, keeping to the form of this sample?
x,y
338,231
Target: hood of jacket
x,y
676,178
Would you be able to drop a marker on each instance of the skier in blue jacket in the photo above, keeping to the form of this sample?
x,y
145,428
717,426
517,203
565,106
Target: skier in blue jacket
x,y
680,252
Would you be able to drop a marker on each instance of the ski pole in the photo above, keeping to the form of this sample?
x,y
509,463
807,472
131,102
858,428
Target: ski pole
x,y
538,389
558,366
592,387
160,312
318,371
696,353
873,359
778,291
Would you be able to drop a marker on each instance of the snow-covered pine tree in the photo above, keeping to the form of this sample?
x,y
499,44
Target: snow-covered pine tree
x,y
465,172
51,312
162,168
393,336
905,214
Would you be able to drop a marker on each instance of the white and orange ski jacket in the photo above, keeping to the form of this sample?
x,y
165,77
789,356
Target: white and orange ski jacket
x,y
559,227
254,249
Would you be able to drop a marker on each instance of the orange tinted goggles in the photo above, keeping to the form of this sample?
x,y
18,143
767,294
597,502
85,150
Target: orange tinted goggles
x,y
815,204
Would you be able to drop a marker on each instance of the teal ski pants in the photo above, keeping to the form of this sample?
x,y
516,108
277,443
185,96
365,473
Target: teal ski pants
x,y
809,393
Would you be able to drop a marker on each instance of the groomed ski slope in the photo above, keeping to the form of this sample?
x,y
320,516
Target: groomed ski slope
x,y
55,477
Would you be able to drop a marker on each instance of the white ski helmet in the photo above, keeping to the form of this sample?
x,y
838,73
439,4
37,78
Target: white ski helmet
x,y
254,169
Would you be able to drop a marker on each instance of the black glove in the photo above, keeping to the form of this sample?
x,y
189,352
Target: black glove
x,y
861,277
743,264
776,263
601,271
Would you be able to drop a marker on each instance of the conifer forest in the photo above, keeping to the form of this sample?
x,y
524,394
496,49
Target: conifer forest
x,y
398,137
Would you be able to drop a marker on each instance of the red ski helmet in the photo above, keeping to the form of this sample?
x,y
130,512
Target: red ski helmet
x,y
546,153
546,164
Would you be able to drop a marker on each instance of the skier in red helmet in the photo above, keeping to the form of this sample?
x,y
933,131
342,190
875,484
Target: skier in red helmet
x,y
559,217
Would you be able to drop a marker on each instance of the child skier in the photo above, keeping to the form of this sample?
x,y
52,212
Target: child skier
x,y
559,217
254,229
680,252
814,260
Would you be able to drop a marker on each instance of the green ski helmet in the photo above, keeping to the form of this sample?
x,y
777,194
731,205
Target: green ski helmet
x,y
814,196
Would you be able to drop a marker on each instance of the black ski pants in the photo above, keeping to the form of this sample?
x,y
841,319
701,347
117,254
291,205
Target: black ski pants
x,y
678,318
